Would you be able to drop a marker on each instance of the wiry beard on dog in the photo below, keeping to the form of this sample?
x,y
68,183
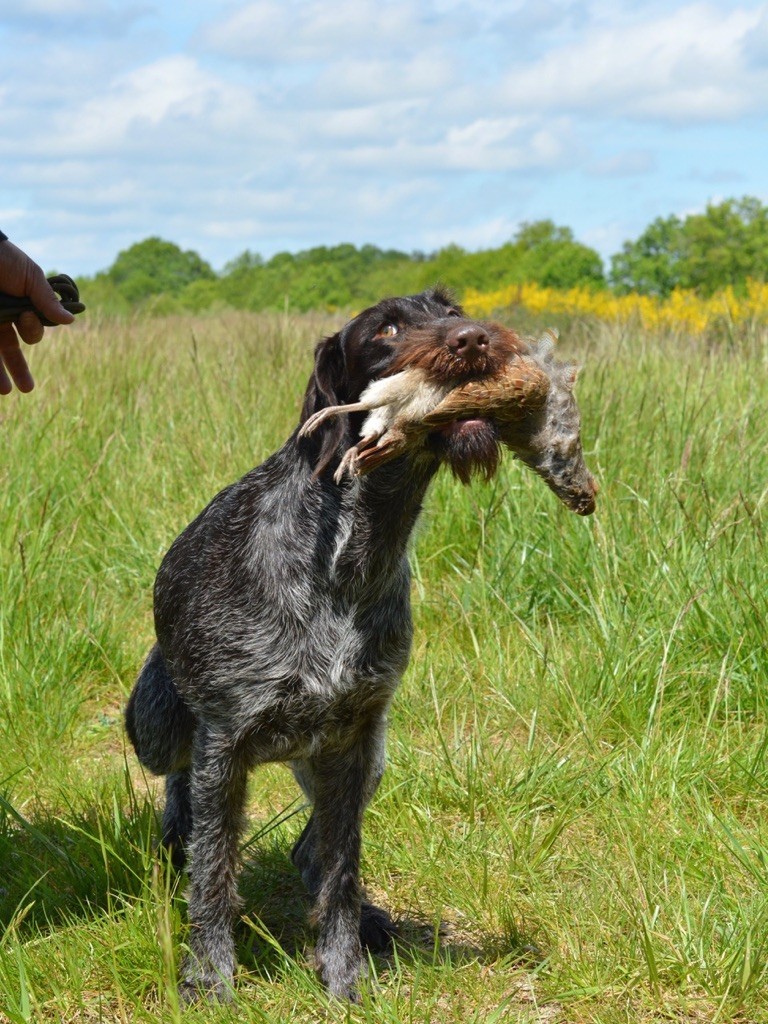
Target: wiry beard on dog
x,y
469,448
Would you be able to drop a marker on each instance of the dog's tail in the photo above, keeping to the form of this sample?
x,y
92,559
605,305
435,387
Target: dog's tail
x,y
159,724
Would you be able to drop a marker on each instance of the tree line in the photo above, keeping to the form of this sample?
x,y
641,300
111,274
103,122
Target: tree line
x,y
727,244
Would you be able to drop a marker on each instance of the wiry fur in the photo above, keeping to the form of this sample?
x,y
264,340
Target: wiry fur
x,y
428,350
283,627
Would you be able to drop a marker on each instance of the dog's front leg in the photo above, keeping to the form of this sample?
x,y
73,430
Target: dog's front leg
x,y
343,782
219,773
377,929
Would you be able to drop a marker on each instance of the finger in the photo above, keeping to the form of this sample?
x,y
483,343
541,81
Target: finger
x,y
14,363
5,381
44,299
29,327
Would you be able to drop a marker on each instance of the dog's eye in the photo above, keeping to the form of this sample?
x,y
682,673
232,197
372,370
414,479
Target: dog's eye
x,y
388,331
453,312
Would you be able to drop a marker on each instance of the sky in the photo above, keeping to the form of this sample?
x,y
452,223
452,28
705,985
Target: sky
x,y
284,124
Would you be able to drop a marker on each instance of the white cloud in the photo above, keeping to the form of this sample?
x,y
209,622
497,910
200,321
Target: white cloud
x,y
51,8
492,146
10,215
626,163
86,16
483,234
756,49
684,64
173,94
352,80
313,30
378,122
285,124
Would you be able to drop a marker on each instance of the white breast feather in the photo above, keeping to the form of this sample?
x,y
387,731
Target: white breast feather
x,y
407,395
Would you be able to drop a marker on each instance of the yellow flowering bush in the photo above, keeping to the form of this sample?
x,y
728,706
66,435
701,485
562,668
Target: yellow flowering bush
x,y
682,311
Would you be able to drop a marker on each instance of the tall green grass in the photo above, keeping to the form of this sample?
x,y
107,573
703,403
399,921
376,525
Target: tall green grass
x,y
573,825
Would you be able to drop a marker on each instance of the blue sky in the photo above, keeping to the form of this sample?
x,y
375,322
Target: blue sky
x,y
282,124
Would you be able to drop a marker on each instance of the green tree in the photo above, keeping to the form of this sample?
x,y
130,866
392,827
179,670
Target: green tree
x,y
652,263
725,245
241,264
322,277
536,234
155,266
340,276
551,256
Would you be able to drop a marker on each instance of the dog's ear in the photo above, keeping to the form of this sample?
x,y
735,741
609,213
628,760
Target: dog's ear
x,y
325,388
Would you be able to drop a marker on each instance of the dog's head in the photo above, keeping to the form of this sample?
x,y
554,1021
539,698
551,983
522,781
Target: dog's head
x,y
430,329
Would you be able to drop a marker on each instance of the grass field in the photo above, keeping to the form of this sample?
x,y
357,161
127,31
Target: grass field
x,y
573,826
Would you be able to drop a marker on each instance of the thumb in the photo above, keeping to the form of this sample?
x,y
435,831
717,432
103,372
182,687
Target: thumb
x,y
44,299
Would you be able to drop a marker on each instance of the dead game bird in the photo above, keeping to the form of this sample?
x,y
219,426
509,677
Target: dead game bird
x,y
426,389
510,386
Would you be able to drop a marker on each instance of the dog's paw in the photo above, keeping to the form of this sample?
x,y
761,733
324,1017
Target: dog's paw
x,y
377,929
174,851
340,971
204,983
205,992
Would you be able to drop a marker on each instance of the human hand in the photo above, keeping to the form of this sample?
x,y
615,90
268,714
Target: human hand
x,y
21,276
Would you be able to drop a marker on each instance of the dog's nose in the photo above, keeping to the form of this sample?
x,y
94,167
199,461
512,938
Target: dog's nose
x,y
467,340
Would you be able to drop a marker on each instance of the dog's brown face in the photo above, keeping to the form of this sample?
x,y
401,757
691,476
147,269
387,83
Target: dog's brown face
x,y
429,330
432,332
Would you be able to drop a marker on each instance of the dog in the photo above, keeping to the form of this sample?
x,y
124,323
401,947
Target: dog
x,y
283,625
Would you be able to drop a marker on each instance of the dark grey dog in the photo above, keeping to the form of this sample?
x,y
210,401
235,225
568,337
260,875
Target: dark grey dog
x,y
283,628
